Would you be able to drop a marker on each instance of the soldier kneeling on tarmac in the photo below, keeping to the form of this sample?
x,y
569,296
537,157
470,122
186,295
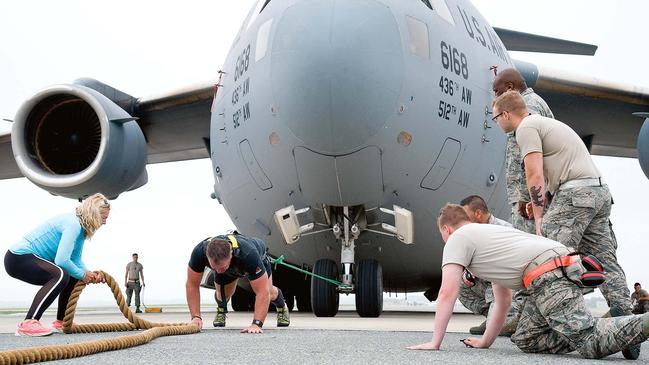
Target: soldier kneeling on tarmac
x,y
554,318
231,257
476,294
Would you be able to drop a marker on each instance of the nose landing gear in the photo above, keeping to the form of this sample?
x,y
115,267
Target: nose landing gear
x,y
365,279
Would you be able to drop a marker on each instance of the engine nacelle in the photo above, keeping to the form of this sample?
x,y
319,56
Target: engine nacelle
x,y
643,147
73,141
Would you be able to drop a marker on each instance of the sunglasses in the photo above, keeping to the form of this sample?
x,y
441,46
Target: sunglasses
x,y
495,119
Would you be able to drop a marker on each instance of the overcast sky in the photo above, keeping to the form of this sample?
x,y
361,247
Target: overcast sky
x,y
146,47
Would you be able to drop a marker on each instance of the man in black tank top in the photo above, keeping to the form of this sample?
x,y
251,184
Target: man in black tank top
x,y
232,257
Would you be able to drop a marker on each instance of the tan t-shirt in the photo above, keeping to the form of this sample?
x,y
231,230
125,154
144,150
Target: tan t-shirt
x,y
495,253
565,156
498,221
134,269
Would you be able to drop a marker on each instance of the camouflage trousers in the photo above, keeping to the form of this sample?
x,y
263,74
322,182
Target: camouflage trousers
x,y
555,320
579,218
641,307
480,297
477,298
520,223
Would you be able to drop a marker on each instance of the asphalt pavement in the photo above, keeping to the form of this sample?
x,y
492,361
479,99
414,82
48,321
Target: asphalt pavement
x,y
287,346
345,338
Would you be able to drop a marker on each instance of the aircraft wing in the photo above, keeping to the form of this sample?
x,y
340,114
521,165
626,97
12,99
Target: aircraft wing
x,y
527,42
8,167
176,124
601,112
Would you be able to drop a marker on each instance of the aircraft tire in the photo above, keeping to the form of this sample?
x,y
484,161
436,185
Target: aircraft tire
x,y
369,288
324,297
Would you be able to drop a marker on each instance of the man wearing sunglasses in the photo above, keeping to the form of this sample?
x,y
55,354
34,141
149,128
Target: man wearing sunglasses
x,y
558,165
517,195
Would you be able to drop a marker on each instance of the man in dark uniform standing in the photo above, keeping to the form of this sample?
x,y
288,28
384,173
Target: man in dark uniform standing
x,y
232,257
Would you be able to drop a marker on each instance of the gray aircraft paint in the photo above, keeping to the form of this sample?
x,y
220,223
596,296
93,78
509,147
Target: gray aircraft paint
x,y
320,114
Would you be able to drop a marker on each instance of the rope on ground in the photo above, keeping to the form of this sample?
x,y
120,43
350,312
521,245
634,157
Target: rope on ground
x,y
57,352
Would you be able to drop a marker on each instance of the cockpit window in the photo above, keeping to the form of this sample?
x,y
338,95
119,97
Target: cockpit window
x,y
264,6
418,37
441,8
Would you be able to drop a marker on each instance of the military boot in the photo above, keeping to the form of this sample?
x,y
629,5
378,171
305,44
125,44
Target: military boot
x,y
219,319
631,352
283,317
509,327
478,330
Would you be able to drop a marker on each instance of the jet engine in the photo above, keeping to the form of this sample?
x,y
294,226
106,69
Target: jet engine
x,y
643,147
73,141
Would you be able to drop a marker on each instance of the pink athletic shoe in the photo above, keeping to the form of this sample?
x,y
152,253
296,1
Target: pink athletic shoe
x,y
57,326
32,327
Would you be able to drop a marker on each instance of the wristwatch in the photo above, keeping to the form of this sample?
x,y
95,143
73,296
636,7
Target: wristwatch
x,y
258,323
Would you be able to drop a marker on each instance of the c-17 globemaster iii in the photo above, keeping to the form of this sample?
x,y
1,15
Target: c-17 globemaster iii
x,y
336,131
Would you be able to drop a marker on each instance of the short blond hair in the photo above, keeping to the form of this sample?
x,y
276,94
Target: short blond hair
x,y
451,215
89,213
511,101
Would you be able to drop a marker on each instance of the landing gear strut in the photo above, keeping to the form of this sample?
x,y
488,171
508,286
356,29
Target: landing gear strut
x,y
364,279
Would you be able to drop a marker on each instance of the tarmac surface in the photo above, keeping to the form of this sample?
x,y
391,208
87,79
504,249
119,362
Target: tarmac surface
x,y
344,338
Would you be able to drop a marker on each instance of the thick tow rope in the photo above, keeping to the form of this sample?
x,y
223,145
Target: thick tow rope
x,y
58,352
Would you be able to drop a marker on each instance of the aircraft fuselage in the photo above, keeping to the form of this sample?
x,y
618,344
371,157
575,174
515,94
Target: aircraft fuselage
x,y
364,104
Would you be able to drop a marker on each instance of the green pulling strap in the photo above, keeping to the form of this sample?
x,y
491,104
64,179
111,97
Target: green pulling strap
x,y
280,261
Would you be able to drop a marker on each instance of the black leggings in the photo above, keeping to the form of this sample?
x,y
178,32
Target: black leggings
x,y
55,281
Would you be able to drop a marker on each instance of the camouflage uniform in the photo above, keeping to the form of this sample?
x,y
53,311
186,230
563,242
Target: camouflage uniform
x,y
480,297
517,185
477,298
578,217
555,320
535,104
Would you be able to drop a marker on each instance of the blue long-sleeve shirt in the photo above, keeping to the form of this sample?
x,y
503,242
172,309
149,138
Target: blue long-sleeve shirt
x,y
58,240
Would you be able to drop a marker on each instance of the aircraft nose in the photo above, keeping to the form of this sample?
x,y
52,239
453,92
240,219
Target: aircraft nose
x,y
337,71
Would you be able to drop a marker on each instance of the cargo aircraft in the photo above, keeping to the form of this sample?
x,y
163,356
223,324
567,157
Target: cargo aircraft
x,y
336,130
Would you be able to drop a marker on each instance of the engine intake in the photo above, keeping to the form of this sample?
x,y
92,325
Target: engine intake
x,y
73,141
